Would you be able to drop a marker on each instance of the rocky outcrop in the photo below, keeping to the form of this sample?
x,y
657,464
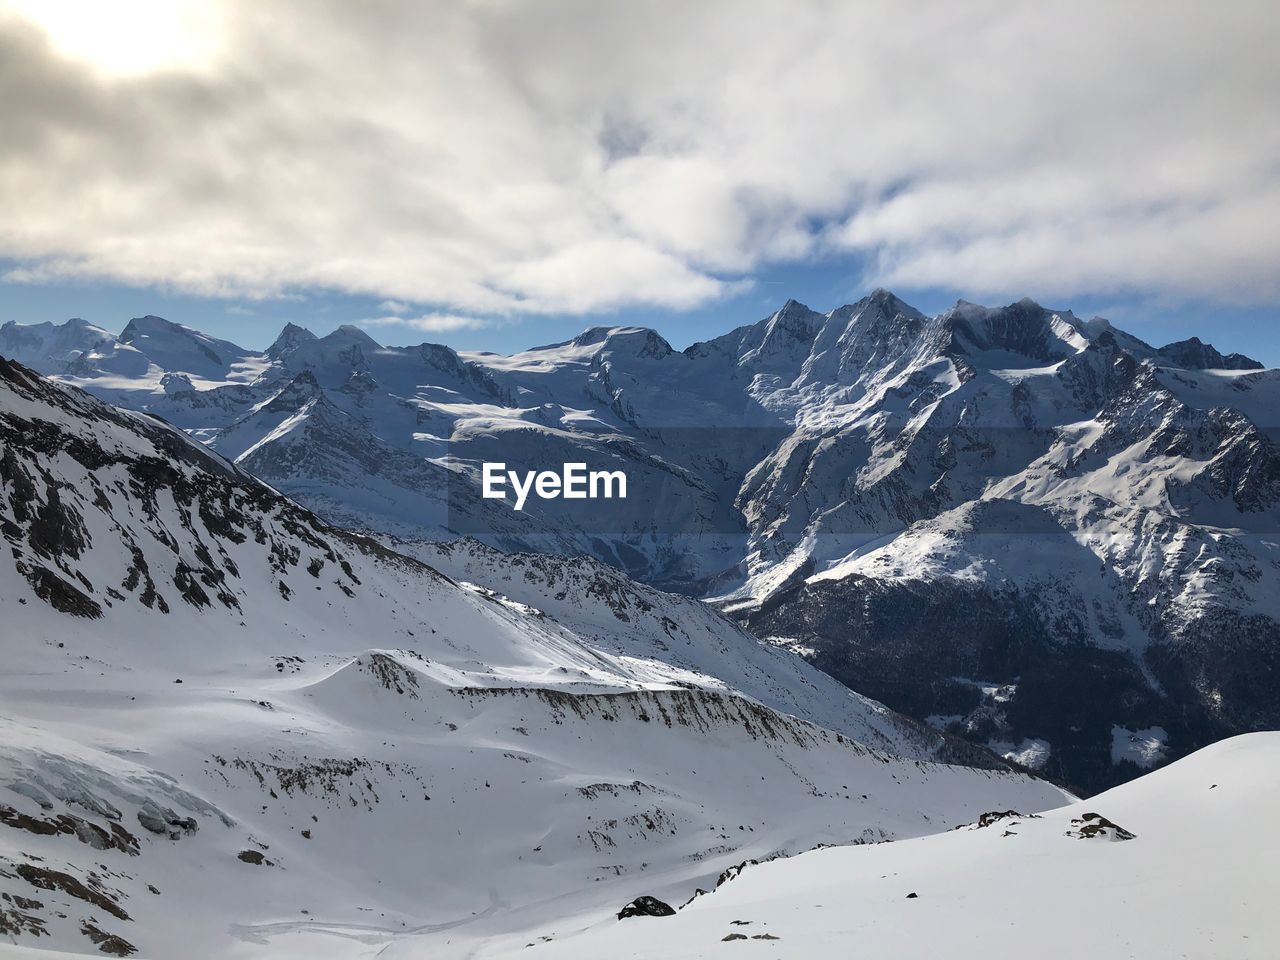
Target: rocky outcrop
x,y
646,906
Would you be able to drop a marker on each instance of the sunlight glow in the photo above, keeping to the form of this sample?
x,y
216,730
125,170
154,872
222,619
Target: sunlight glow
x,y
127,37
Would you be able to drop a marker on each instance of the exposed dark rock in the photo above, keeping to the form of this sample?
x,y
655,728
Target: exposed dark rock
x,y
996,816
1195,354
44,520
163,821
646,906
47,879
63,596
15,922
108,943
114,838
896,641
1091,826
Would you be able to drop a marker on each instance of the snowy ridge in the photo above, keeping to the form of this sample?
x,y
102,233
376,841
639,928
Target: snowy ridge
x,y
631,619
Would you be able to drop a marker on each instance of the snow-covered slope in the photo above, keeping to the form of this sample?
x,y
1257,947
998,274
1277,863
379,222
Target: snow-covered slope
x,y
600,605
173,347
1101,526
929,508
1175,864
49,346
229,729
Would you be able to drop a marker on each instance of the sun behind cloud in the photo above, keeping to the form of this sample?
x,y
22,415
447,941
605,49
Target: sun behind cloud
x,y
127,37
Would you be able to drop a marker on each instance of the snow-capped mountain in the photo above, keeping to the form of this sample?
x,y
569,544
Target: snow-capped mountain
x,y
1045,541
49,346
229,728
1032,529
1173,864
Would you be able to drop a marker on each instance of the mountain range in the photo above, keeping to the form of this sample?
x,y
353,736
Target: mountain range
x,y
230,728
1031,530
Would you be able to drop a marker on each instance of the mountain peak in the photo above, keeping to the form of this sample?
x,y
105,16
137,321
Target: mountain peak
x,y
295,395
176,383
177,348
148,326
638,341
349,331
290,338
1194,354
591,336
888,299
51,347
1023,328
792,308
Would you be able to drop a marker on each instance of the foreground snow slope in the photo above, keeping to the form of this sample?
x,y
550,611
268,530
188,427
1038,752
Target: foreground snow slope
x,y
1197,880
227,729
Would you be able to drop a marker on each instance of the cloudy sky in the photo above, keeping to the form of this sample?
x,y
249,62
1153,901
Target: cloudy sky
x,y
498,173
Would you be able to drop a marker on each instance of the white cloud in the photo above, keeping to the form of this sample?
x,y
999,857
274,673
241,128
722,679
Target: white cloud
x,y
500,158
429,322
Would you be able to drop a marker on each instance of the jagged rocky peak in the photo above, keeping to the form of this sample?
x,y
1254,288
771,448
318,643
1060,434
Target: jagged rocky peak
x,y
794,319
17,374
296,394
776,343
591,336
858,339
443,358
291,337
880,314
347,347
1095,326
176,383
360,385
890,303
1024,328
1195,354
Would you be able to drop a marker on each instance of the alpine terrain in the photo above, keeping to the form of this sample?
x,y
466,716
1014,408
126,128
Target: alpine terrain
x,y
230,729
651,613
1034,531
1170,865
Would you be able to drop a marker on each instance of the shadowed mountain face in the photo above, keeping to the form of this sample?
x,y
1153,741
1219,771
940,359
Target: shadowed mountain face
x,y
1034,530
